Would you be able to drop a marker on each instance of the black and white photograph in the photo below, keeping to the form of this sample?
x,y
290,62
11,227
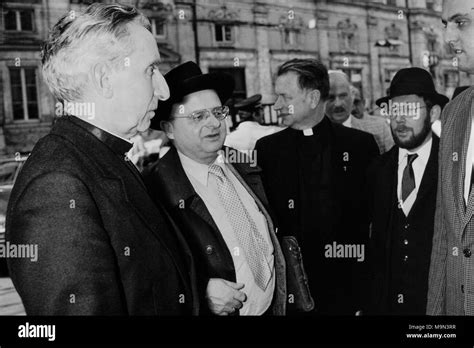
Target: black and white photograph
x,y
291,170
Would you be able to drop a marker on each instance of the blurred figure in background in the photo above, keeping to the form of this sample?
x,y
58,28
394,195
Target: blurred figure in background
x,y
340,106
250,128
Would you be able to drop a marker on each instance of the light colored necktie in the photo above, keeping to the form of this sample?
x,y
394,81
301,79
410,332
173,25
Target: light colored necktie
x,y
250,239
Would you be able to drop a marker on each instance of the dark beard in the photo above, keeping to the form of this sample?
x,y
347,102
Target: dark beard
x,y
417,139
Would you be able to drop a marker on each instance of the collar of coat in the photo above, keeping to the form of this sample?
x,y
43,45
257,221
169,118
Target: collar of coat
x,y
178,188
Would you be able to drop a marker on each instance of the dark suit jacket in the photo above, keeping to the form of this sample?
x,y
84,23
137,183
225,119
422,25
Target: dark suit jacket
x,y
383,207
167,181
339,215
103,246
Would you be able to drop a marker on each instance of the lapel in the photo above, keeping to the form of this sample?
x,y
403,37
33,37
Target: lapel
x,y
460,142
470,204
387,177
387,193
178,189
248,176
116,173
429,180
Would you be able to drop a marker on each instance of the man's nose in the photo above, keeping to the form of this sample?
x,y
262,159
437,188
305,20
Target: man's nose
x,y
162,90
212,121
338,102
451,35
278,105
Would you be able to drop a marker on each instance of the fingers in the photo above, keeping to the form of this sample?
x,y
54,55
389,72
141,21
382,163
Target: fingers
x,y
240,296
236,304
235,286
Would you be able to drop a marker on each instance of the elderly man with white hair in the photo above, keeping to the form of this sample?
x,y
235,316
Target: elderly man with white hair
x,y
104,247
340,106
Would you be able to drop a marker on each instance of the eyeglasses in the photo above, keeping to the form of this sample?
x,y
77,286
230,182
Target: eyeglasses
x,y
198,116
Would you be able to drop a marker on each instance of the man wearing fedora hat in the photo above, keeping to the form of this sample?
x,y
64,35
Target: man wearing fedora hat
x,y
217,199
451,279
403,194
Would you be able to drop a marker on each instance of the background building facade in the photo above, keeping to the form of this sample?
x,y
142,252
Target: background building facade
x,y
369,40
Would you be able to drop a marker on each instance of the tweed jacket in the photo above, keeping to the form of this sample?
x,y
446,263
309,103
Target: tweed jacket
x,y
451,278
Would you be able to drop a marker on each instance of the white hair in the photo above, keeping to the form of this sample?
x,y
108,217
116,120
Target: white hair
x,y
78,41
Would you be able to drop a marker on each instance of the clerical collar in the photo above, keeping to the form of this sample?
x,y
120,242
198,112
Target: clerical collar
x,y
118,144
312,131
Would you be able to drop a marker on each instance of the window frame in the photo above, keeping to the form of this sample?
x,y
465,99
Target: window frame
x,y
19,26
223,27
24,95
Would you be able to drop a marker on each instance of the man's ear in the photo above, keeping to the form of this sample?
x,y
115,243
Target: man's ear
x,y
167,127
101,80
315,97
435,113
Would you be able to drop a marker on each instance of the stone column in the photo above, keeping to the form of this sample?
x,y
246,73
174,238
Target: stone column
x,y
323,36
260,11
374,65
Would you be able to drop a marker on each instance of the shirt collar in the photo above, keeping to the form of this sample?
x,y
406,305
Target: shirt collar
x,y
118,144
423,153
348,122
199,171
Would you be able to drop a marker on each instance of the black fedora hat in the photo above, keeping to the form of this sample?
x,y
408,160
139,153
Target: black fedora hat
x,y
188,78
413,81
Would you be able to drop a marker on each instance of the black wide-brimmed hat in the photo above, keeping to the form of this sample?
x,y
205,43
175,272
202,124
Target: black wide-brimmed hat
x,y
188,78
413,81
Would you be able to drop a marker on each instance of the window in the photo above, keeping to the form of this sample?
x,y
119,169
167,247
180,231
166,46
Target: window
x,y
222,33
158,27
24,93
290,37
19,20
430,4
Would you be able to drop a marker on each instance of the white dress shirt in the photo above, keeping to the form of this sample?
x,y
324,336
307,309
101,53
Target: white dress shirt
x,y
419,166
205,185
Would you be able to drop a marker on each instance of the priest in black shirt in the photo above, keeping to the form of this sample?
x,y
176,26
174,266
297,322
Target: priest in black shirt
x,y
314,176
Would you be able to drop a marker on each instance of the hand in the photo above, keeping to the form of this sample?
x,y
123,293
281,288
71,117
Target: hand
x,y
224,297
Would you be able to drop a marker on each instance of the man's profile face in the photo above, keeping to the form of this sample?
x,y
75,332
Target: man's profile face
x,y
458,20
202,140
293,104
138,86
339,105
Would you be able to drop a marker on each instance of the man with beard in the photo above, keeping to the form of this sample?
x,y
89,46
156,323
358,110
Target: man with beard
x,y
451,281
314,175
339,108
402,196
